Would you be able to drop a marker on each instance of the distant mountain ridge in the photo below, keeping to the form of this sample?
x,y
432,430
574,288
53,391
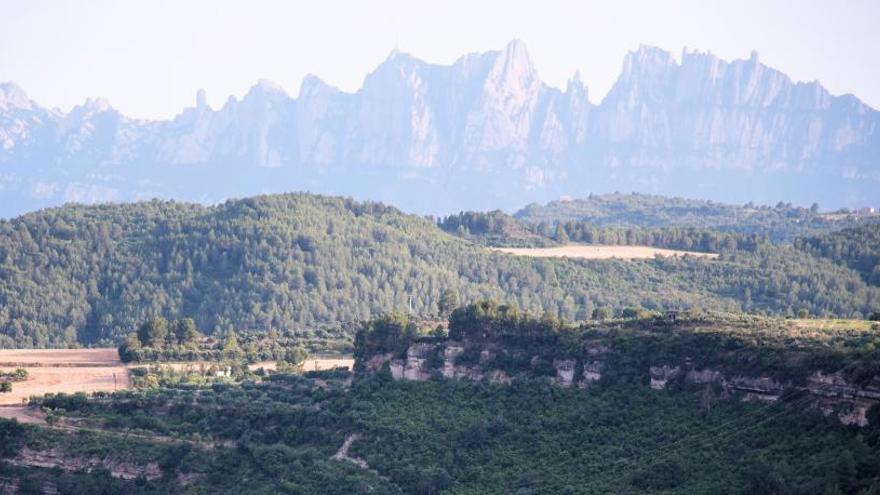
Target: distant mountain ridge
x,y
484,132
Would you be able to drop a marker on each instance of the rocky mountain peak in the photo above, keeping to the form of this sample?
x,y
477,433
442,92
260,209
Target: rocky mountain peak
x,y
96,105
482,132
201,99
514,67
87,110
313,85
575,88
398,66
266,89
12,96
646,61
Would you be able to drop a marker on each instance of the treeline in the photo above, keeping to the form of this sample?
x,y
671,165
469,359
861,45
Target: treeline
x,y
7,378
476,322
497,228
781,223
488,320
313,266
857,248
391,333
180,340
493,228
683,238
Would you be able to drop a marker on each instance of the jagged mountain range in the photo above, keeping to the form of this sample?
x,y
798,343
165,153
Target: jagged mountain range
x,y
484,132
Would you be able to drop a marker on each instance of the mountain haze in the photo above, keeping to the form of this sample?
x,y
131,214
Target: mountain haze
x,y
482,132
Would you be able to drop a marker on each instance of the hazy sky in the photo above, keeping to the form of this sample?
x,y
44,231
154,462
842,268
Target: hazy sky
x,y
150,57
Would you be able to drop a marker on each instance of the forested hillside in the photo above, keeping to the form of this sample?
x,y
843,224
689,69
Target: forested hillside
x,y
506,403
498,229
303,263
435,437
781,223
857,248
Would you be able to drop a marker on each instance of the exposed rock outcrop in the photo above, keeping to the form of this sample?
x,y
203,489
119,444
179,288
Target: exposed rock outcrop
x,y
375,363
830,393
53,458
416,357
703,376
761,388
564,371
592,371
835,395
660,375
450,354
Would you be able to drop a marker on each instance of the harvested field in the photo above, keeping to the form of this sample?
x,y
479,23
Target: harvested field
x,y
597,252
56,379
100,370
59,357
63,370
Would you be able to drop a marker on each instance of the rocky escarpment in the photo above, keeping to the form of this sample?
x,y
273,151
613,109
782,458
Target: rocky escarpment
x,y
54,458
830,393
484,127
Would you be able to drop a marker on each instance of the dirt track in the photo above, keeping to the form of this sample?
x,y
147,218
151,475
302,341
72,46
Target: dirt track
x,y
596,252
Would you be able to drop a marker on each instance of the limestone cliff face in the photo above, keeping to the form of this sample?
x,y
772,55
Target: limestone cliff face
x,y
660,375
831,393
835,395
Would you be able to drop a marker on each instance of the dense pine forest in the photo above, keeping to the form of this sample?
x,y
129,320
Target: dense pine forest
x,y
312,265
857,248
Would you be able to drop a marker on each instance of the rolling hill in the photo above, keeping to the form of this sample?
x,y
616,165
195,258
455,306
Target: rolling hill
x,y
88,274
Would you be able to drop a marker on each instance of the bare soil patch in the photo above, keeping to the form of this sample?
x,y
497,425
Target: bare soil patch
x,y
598,252
63,370
59,357
98,370
23,414
57,379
